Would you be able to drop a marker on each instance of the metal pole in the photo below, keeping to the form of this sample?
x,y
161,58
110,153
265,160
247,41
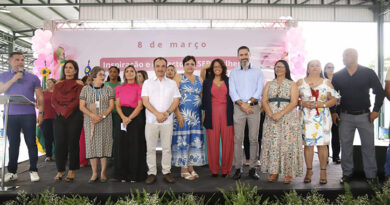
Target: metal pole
x,y
380,20
5,145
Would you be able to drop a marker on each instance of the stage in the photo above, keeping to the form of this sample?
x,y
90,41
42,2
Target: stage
x,y
206,185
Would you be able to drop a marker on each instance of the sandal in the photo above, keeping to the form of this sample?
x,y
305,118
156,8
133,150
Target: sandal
x,y
287,179
323,180
273,177
58,177
69,179
187,175
194,174
309,174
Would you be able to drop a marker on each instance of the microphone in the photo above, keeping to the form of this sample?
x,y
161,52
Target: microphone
x,y
20,71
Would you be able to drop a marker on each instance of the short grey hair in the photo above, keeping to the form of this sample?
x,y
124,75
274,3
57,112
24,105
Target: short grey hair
x,y
95,70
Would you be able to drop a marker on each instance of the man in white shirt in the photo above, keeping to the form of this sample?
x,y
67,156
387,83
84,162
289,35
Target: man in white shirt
x,y
160,96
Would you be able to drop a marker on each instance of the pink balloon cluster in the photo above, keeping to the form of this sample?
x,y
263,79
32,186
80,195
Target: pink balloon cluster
x,y
43,51
294,45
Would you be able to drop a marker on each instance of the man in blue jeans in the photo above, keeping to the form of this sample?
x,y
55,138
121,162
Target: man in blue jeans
x,y
17,81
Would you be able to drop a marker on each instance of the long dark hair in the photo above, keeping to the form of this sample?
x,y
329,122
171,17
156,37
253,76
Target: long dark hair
x,y
307,69
117,69
325,67
75,65
288,73
224,68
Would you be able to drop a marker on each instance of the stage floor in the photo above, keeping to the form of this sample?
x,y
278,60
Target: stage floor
x,y
205,185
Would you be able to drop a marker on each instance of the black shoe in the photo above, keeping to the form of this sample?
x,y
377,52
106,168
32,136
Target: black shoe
x,y
345,179
337,161
238,174
90,181
224,175
253,174
214,175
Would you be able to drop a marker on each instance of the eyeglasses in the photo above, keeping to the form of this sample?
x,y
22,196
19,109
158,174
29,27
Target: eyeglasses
x,y
217,66
279,66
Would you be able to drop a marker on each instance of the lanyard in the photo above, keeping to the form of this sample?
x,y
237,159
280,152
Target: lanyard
x,y
97,93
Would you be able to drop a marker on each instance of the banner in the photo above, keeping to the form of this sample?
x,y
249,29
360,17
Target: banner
x,y
139,47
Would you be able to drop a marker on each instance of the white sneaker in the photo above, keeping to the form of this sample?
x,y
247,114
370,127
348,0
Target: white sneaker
x,y
34,176
9,177
258,163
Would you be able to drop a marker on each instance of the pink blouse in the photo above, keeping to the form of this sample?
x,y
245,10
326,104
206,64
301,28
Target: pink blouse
x,y
128,94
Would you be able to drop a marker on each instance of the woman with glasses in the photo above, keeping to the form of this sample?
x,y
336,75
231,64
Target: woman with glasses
x,y
97,103
328,74
281,151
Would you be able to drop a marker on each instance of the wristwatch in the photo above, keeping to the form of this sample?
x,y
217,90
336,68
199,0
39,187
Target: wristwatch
x,y
249,102
104,117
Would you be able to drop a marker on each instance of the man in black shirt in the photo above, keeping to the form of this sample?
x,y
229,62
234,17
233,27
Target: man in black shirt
x,y
354,83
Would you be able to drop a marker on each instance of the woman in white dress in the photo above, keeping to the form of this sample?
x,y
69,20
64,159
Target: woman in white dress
x,y
316,96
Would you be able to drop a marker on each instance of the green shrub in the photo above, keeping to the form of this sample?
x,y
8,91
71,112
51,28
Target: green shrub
x,y
243,195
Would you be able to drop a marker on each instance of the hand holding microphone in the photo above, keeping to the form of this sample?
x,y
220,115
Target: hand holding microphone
x,y
19,75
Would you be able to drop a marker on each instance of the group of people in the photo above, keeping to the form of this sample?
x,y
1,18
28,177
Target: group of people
x,y
98,119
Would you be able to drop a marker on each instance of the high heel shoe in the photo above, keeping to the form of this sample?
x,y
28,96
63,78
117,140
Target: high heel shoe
x,y
273,177
69,179
187,175
309,174
287,179
90,181
58,177
323,180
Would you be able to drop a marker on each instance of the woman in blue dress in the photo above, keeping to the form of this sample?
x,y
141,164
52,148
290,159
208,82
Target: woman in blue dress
x,y
187,140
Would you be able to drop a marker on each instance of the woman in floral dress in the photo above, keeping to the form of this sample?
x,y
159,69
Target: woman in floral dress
x,y
282,139
317,95
187,140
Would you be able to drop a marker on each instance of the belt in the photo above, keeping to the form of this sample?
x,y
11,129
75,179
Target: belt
x,y
278,99
356,112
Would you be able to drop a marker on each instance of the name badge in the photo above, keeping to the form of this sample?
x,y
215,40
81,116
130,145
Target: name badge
x,y
97,103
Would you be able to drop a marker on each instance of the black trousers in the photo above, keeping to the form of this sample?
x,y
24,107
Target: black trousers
x,y
47,129
335,142
67,135
246,136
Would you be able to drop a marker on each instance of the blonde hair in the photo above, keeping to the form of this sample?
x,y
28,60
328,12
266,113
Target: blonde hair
x,y
136,76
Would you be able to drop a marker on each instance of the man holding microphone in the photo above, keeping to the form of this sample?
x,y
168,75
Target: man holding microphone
x,y
17,81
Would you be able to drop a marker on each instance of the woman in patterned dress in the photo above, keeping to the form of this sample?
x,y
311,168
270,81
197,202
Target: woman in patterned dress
x,y
282,139
97,103
316,96
187,140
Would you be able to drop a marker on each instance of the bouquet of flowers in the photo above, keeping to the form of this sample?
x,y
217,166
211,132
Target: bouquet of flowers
x,y
315,94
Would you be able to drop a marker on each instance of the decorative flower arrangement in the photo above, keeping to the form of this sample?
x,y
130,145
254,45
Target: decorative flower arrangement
x,y
315,94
